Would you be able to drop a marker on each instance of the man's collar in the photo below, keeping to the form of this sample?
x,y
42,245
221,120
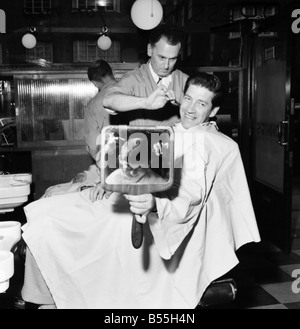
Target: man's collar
x,y
154,75
165,81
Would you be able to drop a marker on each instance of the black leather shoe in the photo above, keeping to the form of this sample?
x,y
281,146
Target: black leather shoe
x,y
19,303
19,250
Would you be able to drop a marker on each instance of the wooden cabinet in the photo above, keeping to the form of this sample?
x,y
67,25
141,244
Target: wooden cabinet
x,y
57,166
15,160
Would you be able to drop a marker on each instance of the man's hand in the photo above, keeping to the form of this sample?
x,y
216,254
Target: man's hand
x,y
141,205
97,193
159,98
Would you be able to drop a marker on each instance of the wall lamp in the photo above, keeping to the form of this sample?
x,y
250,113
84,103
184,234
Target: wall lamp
x,y
104,42
28,39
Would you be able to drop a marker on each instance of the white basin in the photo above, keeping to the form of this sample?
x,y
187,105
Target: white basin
x,y
7,269
10,234
14,191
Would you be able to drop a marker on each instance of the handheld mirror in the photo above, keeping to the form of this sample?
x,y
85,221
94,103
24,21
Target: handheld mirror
x,y
137,160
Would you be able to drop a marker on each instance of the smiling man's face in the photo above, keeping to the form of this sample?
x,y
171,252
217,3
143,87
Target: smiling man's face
x,y
196,106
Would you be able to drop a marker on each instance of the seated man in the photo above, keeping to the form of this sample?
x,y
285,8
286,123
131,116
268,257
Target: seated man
x,y
83,248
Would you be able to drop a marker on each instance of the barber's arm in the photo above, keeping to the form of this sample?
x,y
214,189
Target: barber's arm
x,y
116,100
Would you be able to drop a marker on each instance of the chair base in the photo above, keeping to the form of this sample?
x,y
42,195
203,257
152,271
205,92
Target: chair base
x,y
219,292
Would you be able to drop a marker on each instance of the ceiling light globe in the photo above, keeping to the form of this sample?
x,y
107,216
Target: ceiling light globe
x,y
146,14
29,41
104,42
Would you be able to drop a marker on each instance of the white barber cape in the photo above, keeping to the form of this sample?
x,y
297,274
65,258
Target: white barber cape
x,y
84,249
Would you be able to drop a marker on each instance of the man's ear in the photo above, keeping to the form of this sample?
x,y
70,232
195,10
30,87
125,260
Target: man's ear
x,y
214,112
149,50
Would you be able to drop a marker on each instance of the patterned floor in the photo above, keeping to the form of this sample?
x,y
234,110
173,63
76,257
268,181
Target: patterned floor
x,y
266,277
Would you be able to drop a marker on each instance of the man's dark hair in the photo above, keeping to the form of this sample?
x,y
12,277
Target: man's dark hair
x,y
98,70
172,34
209,81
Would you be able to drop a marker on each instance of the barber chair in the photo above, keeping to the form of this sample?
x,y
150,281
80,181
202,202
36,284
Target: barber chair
x,y
219,292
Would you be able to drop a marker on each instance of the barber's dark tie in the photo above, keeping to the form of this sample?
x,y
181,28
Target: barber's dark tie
x,y
159,80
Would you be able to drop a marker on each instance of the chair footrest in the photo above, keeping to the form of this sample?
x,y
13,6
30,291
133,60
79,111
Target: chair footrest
x,y
219,292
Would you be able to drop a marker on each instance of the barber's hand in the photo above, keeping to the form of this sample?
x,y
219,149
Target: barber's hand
x,y
98,193
159,98
141,205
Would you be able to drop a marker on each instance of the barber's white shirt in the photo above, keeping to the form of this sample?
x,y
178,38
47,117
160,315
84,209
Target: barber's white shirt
x,y
165,81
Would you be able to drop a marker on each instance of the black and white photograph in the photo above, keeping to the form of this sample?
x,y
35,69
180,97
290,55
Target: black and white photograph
x,y
150,157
